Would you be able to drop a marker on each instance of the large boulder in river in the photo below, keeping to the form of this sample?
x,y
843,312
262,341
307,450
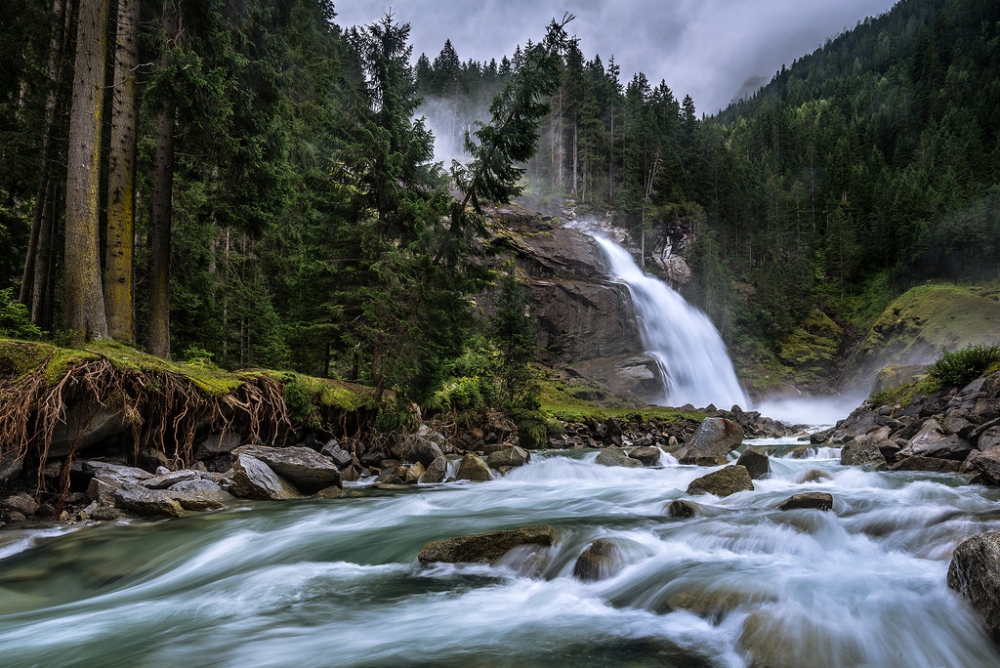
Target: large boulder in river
x,y
602,559
757,464
808,501
435,472
615,456
305,468
485,547
932,441
143,501
724,482
512,456
975,574
863,451
253,479
473,468
199,494
715,437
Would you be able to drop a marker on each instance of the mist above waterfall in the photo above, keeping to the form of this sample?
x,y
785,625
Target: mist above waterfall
x,y
692,357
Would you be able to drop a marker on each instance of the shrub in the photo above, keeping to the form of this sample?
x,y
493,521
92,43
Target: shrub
x,y
532,429
14,320
961,367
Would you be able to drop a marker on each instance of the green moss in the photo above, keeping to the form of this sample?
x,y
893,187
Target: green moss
x,y
929,320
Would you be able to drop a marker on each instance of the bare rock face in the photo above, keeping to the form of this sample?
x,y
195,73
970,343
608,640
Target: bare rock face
x,y
724,482
715,437
253,479
86,424
625,374
485,547
305,468
974,573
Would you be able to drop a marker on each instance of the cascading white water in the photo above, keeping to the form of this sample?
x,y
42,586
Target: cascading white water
x,y
693,360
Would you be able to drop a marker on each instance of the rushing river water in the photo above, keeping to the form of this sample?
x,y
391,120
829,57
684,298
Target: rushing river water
x,y
337,582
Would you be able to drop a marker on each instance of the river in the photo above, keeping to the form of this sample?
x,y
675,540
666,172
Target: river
x,y
337,582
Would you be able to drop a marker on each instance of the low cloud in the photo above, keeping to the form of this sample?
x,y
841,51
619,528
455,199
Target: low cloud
x,y
704,48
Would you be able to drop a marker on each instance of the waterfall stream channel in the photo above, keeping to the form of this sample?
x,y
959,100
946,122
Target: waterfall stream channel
x,y
337,582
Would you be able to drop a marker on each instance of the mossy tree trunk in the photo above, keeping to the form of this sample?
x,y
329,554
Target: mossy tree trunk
x,y
163,185
118,266
84,296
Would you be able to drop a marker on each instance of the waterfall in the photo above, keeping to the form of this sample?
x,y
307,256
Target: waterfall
x,y
692,357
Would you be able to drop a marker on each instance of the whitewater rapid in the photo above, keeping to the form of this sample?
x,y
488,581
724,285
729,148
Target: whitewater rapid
x,y
337,582
693,359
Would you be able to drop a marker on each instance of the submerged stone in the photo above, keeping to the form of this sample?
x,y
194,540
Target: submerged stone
x,y
808,501
601,559
485,547
727,481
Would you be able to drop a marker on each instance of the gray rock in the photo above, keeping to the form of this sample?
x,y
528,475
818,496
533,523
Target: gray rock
x,y
333,492
715,437
512,456
217,444
413,473
16,516
199,494
435,472
986,463
681,509
101,490
137,499
416,448
757,464
808,500
649,456
305,468
615,456
989,438
166,480
151,459
485,547
101,513
727,481
116,474
626,374
253,479
931,441
341,458
85,424
473,468
863,451
602,559
974,573
860,422
927,465
22,503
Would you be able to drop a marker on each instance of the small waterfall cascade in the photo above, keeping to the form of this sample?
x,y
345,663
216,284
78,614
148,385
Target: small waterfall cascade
x,y
692,356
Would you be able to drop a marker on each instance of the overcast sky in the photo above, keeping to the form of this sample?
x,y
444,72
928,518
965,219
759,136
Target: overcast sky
x,y
707,49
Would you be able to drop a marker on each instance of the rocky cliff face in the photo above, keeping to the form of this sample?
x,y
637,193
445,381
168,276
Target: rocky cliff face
x,y
584,320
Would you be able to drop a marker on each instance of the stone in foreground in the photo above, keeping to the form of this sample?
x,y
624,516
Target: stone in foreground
x,y
600,560
143,501
757,464
975,574
305,468
485,547
253,479
681,509
728,481
808,501
435,472
512,456
715,437
473,468
615,456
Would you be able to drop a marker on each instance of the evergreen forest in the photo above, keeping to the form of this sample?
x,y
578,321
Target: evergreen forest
x,y
247,182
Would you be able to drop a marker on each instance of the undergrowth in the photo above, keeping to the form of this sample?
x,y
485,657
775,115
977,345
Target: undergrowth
x,y
961,367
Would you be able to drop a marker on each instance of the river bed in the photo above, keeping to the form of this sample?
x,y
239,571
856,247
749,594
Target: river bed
x,y
337,582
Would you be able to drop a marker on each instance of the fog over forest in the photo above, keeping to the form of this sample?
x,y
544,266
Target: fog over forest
x,y
708,49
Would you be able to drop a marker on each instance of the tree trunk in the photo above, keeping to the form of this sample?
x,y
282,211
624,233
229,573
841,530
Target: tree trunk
x,y
159,233
118,266
60,29
84,298
576,157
